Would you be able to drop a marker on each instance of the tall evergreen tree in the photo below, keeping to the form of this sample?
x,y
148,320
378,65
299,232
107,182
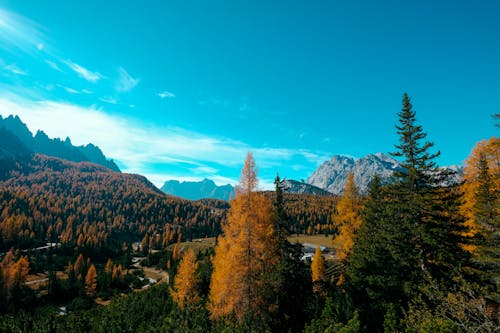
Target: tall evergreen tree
x,y
380,269
411,229
418,167
429,209
292,275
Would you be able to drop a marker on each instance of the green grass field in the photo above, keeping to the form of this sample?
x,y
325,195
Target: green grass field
x,y
197,245
206,243
315,239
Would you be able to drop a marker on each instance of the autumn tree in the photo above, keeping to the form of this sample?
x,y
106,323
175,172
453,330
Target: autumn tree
x,y
145,244
14,275
185,290
318,266
245,256
80,267
117,275
348,218
91,281
488,150
481,207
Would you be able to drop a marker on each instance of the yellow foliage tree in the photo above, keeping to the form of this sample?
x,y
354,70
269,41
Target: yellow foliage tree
x,y
348,219
91,281
185,291
176,252
79,266
14,275
490,149
245,255
109,267
117,273
318,266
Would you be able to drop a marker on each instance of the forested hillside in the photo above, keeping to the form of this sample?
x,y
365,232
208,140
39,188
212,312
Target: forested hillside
x,y
49,199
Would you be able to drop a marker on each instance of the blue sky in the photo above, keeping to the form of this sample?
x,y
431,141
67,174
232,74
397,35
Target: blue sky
x,y
182,90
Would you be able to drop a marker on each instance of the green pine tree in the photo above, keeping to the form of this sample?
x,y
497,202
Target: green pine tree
x,y
410,232
381,267
430,210
292,275
417,165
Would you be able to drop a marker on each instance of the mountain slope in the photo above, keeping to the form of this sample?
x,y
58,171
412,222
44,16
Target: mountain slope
x,y
198,190
89,206
41,143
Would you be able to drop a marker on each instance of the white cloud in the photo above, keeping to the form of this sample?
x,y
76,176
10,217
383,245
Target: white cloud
x,y
84,72
18,33
13,68
109,100
53,65
70,90
204,170
125,81
165,94
139,147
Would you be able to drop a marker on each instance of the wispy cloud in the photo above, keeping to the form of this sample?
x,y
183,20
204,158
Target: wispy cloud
x,y
204,170
125,81
84,72
18,33
109,100
139,146
13,68
165,94
69,90
53,65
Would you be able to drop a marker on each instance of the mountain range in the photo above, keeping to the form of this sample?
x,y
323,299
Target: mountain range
x,y
332,174
20,136
198,190
329,178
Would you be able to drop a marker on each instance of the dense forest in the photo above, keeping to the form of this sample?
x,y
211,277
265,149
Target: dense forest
x,y
411,256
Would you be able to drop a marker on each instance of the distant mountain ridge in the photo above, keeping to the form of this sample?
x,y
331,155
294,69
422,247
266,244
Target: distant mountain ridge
x,y
41,143
293,186
332,174
198,190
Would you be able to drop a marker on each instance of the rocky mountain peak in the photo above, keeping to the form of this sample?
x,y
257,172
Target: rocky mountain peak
x,y
332,175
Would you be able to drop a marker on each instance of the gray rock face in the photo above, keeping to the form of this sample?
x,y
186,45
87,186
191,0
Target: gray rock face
x,y
293,186
332,175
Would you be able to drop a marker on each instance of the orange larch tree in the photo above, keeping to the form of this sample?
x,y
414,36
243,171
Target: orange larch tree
x,y
185,291
245,256
348,219
318,266
91,281
490,150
